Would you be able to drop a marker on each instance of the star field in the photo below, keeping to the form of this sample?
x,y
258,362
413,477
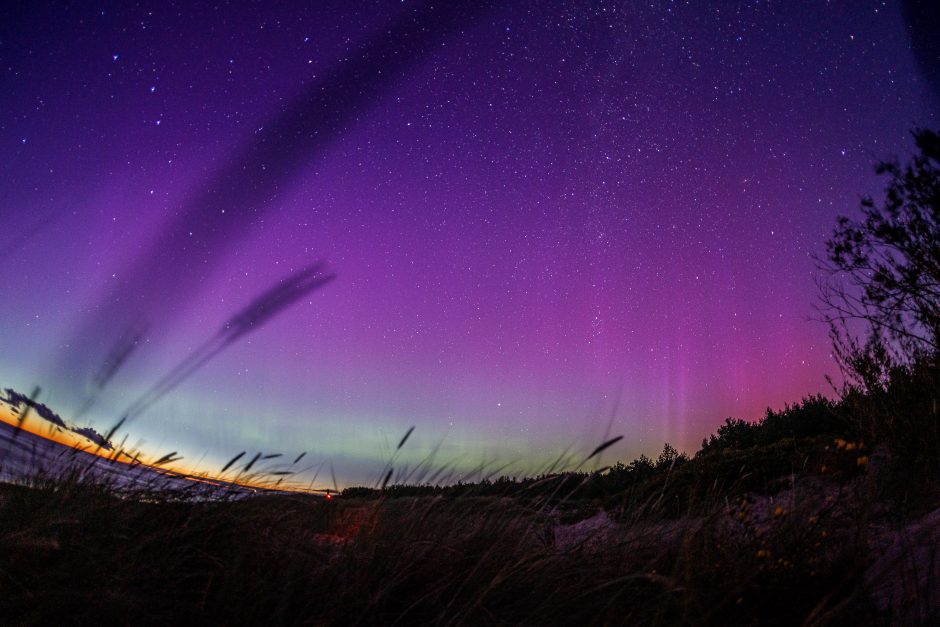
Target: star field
x,y
547,219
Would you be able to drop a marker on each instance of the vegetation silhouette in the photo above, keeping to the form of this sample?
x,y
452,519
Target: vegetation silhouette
x,y
880,296
884,269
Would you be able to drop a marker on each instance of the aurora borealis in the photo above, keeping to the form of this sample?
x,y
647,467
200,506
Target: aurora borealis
x,y
548,220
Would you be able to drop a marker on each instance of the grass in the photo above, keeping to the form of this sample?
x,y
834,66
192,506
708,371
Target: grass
x,y
806,517
73,550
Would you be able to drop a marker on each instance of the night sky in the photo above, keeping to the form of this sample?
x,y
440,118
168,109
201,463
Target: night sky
x,y
548,221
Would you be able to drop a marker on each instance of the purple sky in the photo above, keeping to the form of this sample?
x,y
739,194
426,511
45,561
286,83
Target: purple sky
x,y
542,217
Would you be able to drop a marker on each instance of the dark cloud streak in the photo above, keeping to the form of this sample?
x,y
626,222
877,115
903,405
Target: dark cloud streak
x,y
181,257
923,23
259,312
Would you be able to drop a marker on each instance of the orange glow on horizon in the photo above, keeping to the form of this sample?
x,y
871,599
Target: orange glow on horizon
x,y
40,427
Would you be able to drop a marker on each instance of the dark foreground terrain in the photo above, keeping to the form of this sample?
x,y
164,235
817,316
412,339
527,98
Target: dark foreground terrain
x,y
819,547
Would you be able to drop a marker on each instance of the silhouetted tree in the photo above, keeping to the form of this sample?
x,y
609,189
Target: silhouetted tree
x,y
881,287
813,416
881,297
735,434
641,468
670,457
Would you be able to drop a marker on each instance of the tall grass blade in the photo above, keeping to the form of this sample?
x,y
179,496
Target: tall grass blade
x,y
603,447
405,437
166,459
232,462
252,462
114,429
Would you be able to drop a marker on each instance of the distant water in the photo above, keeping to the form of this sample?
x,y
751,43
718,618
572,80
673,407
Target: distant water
x,y
25,456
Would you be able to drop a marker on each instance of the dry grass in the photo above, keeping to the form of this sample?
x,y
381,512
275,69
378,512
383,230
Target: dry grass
x,y
76,551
